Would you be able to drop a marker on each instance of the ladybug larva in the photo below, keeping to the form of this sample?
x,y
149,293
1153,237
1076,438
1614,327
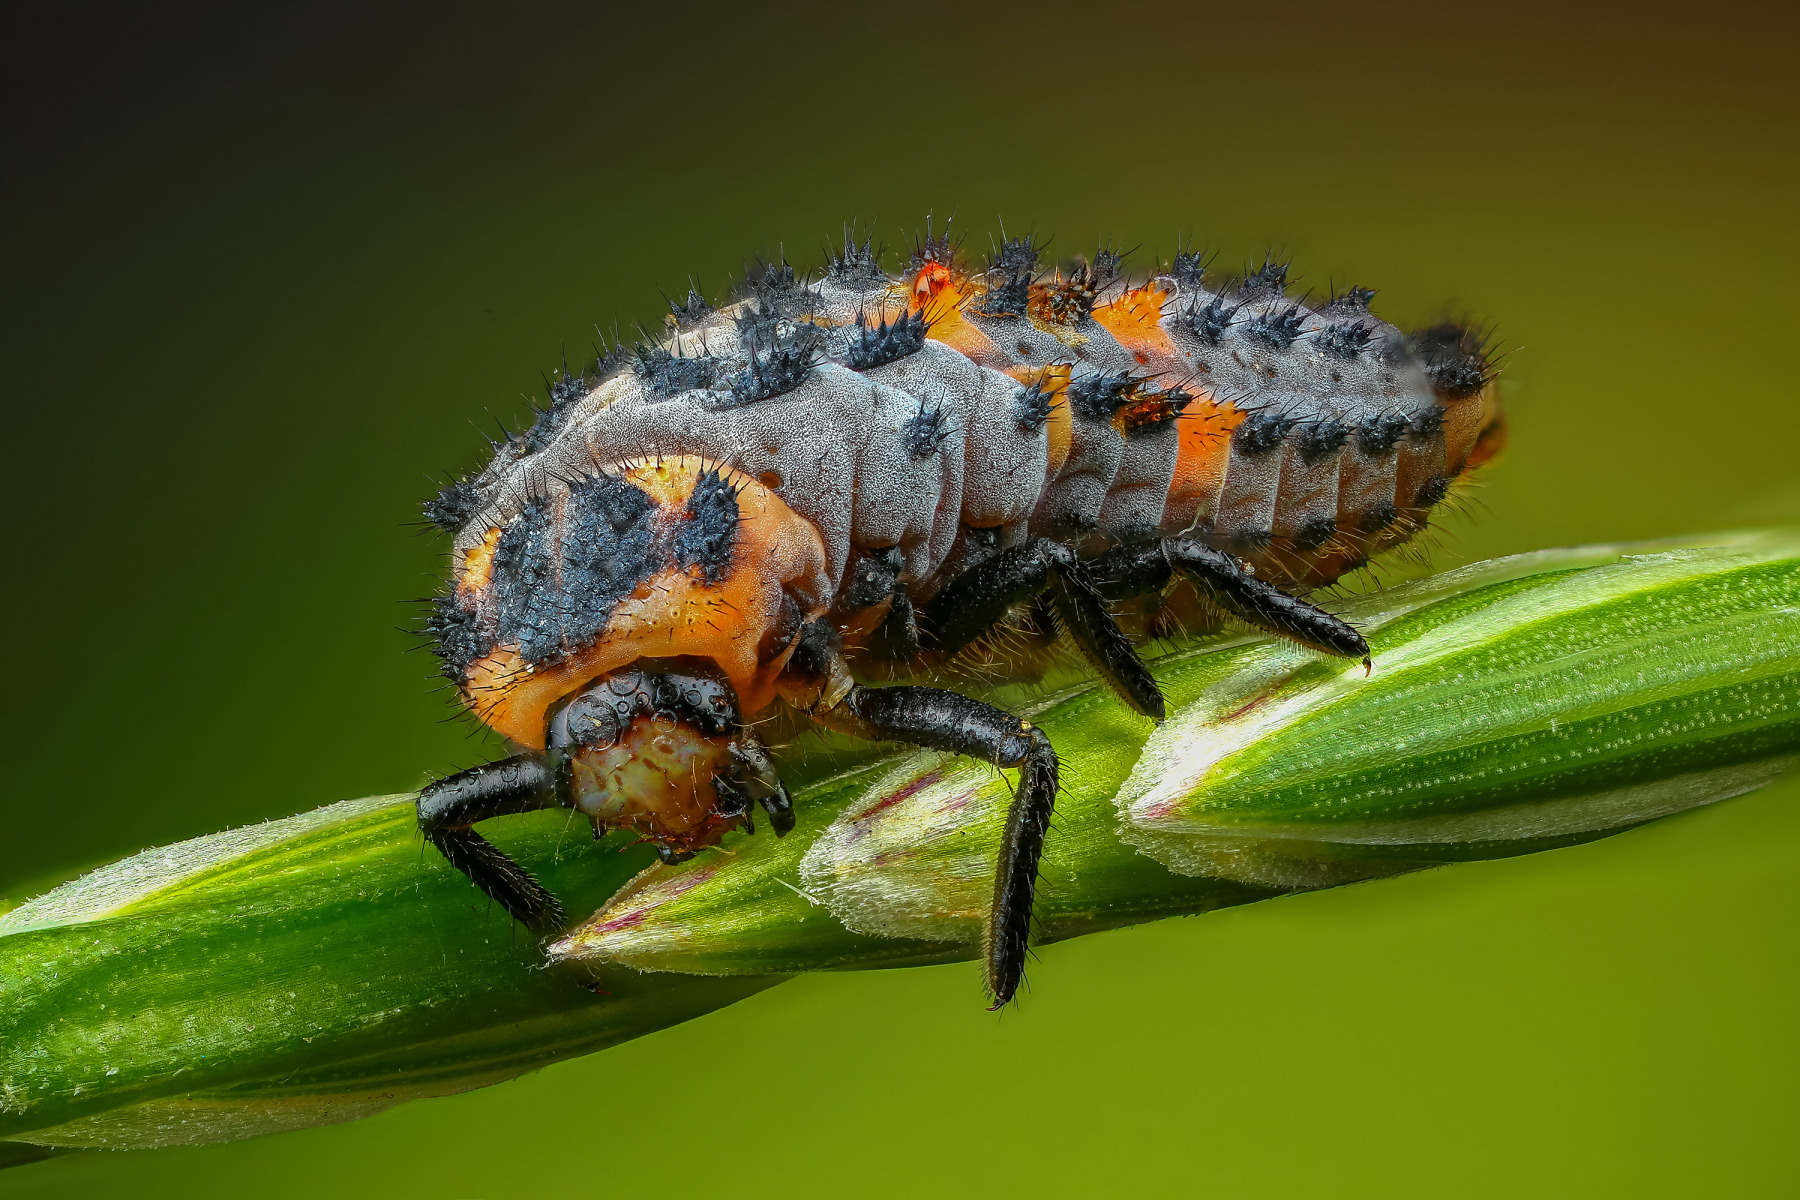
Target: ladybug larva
x,y
863,477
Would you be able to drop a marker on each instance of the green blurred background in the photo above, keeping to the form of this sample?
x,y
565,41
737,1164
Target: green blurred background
x,y
269,274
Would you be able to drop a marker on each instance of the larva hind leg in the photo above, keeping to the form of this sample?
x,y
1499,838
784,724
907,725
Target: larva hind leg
x,y
1133,570
975,601
944,720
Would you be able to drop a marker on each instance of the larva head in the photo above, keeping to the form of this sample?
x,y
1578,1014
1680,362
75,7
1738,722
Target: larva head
x,y
668,557
650,747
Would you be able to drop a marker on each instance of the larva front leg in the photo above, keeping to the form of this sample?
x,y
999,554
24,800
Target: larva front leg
x,y
450,807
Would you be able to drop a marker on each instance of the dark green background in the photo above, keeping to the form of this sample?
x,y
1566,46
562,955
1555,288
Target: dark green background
x,y
264,273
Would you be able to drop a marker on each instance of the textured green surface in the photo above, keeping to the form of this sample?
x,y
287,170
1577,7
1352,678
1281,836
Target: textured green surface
x,y
1580,702
269,267
320,968
297,972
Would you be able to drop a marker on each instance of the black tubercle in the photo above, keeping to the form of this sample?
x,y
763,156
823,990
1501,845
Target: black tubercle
x,y
859,264
934,248
1189,269
776,371
1034,408
1381,433
1455,359
1099,395
1010,299
704,541
1380,517
757,323
451,508
1015,256
567,389
1431,491
1427,421
690,311
1351,300
1209,321
668,374
873,576
455,631
878,345
778,289
1105,269
1261,431
777,355
1315,533
925,432
610,358
1320,439
1270,278
1277,330
1343,339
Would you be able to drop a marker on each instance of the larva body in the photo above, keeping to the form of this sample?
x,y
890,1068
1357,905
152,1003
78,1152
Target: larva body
x,y
808,468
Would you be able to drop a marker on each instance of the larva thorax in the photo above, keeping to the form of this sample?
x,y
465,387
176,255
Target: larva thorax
x,y
918,424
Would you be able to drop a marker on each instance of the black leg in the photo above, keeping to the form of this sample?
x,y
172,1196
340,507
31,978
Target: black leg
x,y
1132,570
513,785
975,601
945,720
753,777
896,639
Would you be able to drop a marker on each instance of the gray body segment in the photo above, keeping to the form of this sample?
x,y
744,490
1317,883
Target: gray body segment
x,y
1341,432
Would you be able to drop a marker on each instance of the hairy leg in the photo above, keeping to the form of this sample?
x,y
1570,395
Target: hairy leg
x,y
946,720
450,806
978,599
1132,570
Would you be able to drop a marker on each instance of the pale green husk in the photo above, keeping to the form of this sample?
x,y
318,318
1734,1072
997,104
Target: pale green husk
x,y
323,967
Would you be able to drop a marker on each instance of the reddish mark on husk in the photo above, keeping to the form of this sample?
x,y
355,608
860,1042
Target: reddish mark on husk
x,y
1255,702
623,921
958,802
689,881
675,887
860,821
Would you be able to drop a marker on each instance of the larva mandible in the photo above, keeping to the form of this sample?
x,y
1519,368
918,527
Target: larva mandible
x,y
861,475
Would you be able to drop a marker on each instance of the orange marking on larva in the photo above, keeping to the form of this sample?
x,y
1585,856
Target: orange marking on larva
x,y
937,282
1136,316
1204,447
945,323
1421,459
1462,426
676,613
1492,438
478,564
